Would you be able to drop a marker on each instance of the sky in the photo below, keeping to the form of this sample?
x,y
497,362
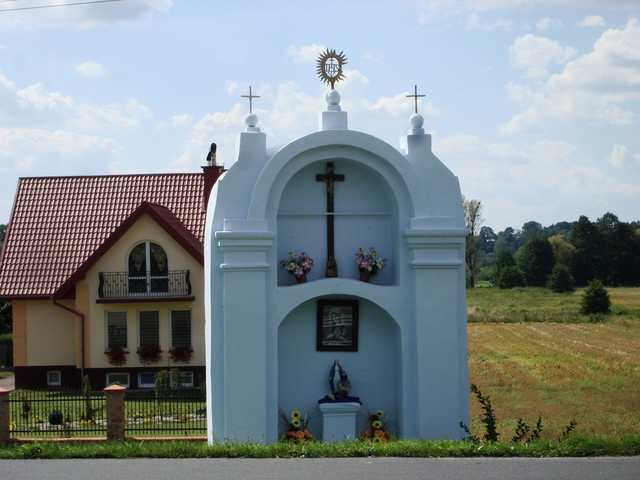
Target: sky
x,y
533,104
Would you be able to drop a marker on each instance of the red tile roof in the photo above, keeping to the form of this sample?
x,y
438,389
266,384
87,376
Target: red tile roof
x,y
59,223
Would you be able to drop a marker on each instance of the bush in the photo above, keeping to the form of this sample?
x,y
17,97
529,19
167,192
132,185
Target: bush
x,y
560,280
510,277
595,299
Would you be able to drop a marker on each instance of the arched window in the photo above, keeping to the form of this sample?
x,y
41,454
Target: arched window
x,y
148,269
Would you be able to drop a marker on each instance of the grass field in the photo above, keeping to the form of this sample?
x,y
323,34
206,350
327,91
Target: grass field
x,y
553,367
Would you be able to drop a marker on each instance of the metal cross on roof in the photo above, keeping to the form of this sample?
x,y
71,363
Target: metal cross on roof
x,y
251,96
415,97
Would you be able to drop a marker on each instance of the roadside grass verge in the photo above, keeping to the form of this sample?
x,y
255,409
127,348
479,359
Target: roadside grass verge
x,y
571,447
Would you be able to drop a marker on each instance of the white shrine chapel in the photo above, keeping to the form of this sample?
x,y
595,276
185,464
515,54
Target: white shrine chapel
x,y
406,349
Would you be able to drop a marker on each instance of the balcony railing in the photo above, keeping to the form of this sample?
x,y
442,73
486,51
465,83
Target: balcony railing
x,y
123,285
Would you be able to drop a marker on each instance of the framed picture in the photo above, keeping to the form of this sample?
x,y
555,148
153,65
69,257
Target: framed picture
x,y
337,326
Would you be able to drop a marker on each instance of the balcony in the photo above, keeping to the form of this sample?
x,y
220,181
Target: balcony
x,y
123,287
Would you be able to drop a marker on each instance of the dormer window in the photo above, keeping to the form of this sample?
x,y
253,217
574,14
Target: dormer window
x,y
148,269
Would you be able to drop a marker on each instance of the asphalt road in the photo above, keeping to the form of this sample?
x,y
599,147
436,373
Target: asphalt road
x,y
625,468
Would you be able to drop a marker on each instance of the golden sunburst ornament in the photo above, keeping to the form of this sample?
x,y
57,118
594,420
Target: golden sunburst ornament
x,y
330,67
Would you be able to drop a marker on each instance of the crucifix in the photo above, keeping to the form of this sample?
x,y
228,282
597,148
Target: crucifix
x,y
251,96
330,177
415,97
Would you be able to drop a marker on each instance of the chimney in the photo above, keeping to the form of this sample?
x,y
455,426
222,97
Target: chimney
x,y
211,174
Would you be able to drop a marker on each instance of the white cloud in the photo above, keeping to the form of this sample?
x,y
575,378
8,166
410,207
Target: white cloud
x,y
82,15
598,87
547,22
370,56
556,177
305,54
36,105
38,152
535,53
182,121
474,22
592,21
91,69
620,157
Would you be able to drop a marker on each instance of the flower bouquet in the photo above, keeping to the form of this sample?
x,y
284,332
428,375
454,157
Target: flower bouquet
x,y
296,428
149,354
378,431
298,266
116,356
369,262
181,353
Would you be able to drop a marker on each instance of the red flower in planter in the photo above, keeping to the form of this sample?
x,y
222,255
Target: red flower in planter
x,y
116,356
181,353
149,354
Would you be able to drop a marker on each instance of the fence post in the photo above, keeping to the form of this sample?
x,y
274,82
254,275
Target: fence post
x,y
115,412
4,415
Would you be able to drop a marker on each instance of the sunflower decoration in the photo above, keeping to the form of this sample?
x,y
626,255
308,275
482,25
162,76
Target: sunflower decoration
x,y
330,67
378,431
296,427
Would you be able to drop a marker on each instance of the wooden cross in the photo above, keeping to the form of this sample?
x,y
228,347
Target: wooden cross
x,y
251,96
415,97
330,177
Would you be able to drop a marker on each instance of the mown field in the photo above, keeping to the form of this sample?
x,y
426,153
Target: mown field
x,y
534,355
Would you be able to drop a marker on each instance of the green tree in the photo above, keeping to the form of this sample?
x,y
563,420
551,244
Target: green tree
x,y
3,232
506,241
6,321
536,261
562,251
504,259
560,280
510,277
529,230
595,299
473,253
586,261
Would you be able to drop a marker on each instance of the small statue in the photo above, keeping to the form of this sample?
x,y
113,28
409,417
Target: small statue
x,y
211,157
334,376
339,386
332,267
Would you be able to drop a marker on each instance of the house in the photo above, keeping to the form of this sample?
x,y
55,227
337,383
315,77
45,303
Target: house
x,y
98,265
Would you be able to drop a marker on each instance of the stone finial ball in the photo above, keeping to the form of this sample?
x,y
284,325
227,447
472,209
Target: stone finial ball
x,y
333,98
252,120
416,120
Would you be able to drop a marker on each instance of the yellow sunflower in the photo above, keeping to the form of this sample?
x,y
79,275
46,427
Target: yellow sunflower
x,y
376,424
379,413
295,414
295,422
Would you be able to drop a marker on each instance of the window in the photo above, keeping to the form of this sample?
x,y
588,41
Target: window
x,y
118,378
148,269
117,330
146,380
186,379
148,328
181,328
54,377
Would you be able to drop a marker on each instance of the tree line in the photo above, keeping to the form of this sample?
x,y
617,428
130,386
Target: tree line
x,y
560,256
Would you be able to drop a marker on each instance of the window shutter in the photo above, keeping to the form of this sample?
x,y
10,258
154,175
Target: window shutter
x,y
149,328
117,329
181,328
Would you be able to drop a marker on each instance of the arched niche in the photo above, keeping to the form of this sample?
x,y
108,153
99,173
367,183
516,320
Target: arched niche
x,y
375,370
366,215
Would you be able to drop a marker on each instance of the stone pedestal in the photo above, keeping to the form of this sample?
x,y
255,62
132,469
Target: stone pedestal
x,y
338,421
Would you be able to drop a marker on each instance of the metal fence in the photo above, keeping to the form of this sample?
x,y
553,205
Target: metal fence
x,y
71,414
57,413
174,412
